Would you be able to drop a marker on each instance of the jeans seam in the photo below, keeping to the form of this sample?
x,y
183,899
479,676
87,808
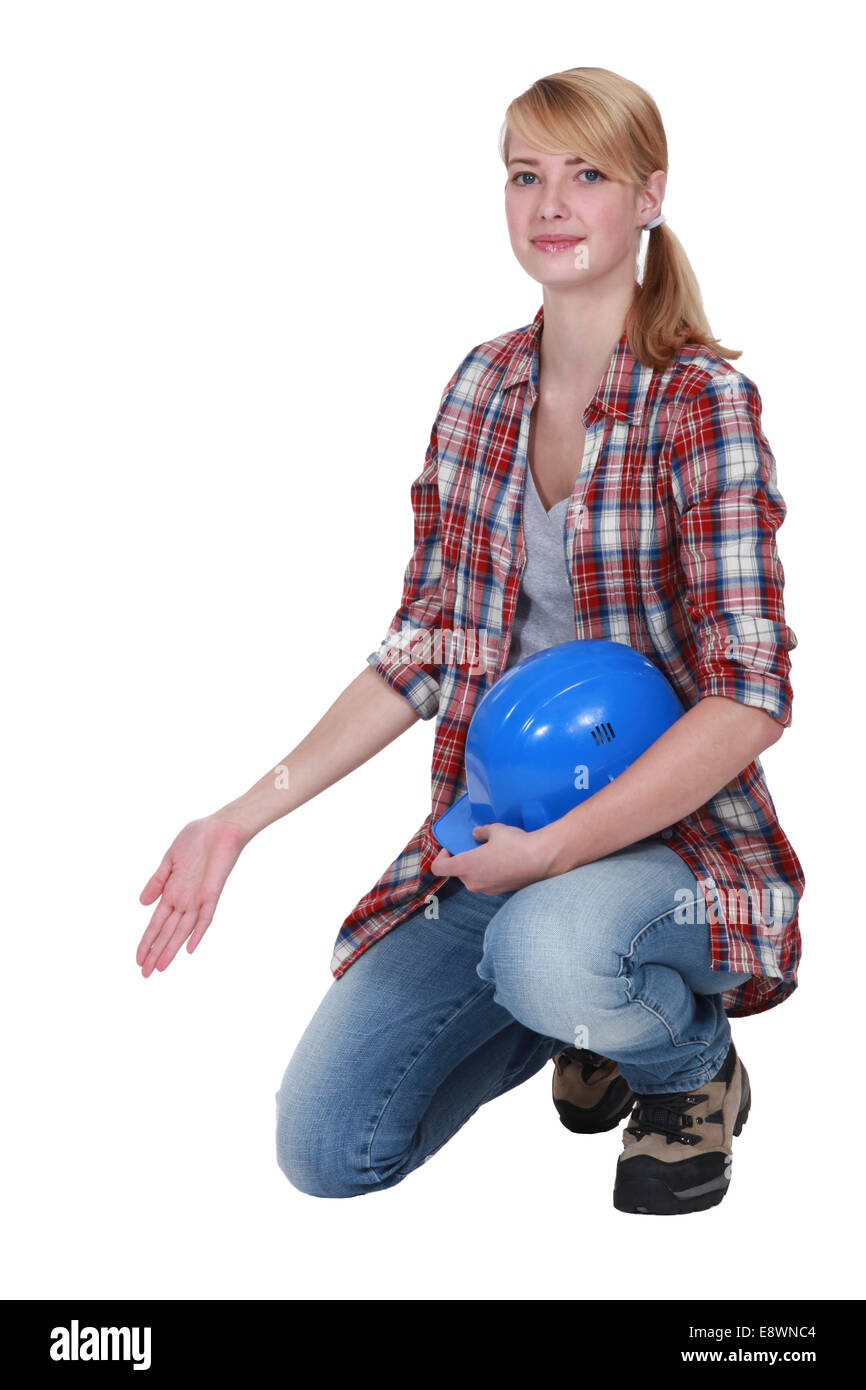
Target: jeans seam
x,y
626,956
395,1088
692,1042
636,999
661,916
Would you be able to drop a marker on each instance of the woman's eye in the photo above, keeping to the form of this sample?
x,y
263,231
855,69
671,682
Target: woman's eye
x,y
525,174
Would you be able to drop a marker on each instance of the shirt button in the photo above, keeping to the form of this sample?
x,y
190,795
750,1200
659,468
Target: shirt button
x,y
667,833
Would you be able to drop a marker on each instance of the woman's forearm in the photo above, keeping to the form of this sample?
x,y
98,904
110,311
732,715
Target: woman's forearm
x,y
697,756
368,715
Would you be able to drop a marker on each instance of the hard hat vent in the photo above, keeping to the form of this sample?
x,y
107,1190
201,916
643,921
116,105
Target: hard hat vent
x,y
603,733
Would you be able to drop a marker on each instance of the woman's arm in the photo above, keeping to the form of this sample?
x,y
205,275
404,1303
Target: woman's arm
x,y
396,688
365,718
192,873
692,760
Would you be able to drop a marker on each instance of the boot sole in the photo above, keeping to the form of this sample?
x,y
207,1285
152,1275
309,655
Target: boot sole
x,y
643,1186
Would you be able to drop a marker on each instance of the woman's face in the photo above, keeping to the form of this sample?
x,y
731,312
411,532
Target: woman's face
x,y
597,219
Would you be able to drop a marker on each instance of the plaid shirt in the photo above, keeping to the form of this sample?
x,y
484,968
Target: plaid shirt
x,y
670,534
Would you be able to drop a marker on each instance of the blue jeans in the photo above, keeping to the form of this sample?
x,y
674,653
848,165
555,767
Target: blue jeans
x,y
444,1013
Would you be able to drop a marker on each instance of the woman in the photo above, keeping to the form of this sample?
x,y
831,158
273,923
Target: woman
x,y
599,473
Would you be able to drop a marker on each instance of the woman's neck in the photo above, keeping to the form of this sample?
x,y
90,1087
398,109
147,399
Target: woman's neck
x,y
577,340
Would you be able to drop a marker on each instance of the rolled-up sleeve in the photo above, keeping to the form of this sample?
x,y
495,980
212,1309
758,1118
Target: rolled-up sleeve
x,y
409,656
730,508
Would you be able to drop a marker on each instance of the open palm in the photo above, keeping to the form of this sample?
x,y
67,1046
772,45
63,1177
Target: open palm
x,y
188,883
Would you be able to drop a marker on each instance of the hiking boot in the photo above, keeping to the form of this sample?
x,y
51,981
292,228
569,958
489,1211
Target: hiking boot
x,y
677,1149
589,1092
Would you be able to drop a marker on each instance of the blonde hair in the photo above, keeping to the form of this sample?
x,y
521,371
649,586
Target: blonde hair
x,y
616,125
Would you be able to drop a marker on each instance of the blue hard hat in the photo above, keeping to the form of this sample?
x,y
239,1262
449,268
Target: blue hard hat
x,y
554,729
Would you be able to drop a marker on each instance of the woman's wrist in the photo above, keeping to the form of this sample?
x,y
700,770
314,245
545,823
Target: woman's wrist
x,y
247,817
554,853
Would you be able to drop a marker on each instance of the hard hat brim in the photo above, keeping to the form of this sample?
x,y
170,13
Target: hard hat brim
x,y
454,828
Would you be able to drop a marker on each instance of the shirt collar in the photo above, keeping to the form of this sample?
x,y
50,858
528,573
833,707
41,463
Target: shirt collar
x,y
621,392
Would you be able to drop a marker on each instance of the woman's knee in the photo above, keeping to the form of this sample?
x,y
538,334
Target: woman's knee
x,y
541,973
334,1137
318,1155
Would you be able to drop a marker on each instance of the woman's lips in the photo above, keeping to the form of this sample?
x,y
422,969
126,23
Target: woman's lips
x,y
557,243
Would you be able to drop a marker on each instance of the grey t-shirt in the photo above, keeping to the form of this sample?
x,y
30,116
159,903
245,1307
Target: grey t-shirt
x,y
545,603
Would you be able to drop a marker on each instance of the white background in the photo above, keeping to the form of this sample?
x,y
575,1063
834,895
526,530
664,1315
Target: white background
x,y
244,246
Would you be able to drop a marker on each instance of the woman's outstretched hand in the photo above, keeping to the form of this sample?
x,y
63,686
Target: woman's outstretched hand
x,y
188,884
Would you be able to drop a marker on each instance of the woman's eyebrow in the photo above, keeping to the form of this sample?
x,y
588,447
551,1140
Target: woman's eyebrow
x,y
518,159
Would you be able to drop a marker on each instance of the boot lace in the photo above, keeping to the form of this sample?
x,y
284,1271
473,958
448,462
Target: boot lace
x,y
666,1114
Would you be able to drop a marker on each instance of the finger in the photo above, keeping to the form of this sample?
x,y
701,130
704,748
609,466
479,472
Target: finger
x,y
157,946
192,924
148,965
176,940
156,882
456,860
153,929
201,926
